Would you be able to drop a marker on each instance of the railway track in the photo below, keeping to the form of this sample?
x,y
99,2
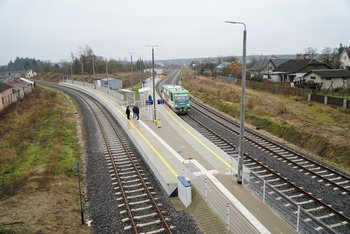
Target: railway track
x,y
135,195
326,202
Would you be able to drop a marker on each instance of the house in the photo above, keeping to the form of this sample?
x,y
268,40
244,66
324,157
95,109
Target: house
x,y
5,95
261,68
32,83
345,59
294,69
30,74
19,88
113,83
329,78
219,69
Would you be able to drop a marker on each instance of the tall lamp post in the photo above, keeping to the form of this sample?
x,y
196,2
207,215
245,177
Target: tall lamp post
x,y
154,89
241,129
107,75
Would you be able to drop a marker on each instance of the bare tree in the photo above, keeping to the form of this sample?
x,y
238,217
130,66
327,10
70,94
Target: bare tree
x,y
310,53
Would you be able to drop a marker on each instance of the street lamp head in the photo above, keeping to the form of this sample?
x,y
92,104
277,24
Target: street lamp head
x,y
235,22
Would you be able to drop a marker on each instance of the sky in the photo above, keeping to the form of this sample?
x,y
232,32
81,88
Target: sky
x,y
52,29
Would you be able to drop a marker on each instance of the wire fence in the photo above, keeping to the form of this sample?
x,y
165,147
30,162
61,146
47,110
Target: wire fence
x,y
295,215
235,221
120,97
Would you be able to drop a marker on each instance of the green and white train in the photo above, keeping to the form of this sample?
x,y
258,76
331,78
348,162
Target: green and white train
x,y
177,98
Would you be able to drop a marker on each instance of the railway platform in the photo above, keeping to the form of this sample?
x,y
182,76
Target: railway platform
x,y
173,148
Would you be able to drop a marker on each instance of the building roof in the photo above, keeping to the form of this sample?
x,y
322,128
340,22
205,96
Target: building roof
x,y
347,51
16,83
109,79
278,62
330,73
297,65
4,86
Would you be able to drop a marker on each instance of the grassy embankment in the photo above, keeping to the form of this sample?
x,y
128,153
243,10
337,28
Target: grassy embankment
x,y
39,143
320,129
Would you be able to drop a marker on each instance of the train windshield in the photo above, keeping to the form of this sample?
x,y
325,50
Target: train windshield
x,y
180,97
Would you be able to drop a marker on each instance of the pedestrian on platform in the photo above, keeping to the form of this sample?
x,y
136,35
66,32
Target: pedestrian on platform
x,y
127,112
137,112
134,112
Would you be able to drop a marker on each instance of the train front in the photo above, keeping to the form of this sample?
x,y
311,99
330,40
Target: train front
x,y
182,103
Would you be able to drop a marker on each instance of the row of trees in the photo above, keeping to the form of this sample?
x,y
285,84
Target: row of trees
x,y
81,63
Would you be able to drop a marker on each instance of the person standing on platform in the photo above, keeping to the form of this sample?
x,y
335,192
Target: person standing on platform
x,y
137,112
134,112
127,112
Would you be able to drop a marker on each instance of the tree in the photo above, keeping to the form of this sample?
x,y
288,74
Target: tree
x,y
310,53
331,57
259,64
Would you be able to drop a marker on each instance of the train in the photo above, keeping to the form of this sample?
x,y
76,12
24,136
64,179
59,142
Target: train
x,y
177,98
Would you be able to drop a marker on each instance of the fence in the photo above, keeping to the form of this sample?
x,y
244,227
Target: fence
x,y
300,219
328,100
278,88
119,96
235,221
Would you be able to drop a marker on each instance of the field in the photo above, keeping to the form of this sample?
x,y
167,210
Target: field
x,y
322,131
38,186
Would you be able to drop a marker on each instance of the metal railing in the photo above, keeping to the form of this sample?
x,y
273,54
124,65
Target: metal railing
x,y
295,215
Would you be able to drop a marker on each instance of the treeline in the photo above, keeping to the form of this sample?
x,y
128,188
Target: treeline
x,y
24,64
82,62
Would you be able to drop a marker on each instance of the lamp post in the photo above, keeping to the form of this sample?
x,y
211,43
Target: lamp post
x,y
107,76
154,90
241,129
93,72
131,68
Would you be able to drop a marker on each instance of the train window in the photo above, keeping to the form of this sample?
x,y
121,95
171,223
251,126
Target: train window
x,y
181,97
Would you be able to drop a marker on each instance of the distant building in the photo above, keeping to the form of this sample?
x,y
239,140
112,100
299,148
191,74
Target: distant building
x,y
345,59
30,74
5,95
293,70
329,78
19,88
113,83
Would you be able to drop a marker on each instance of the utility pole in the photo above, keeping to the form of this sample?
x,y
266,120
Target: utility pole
x,y
93,72
131,60
82,70
107,76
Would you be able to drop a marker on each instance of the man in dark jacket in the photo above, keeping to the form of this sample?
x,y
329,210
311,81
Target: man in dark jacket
x,y
137,112
127,112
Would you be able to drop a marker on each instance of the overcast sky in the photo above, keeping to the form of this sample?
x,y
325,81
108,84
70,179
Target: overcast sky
x,y
51,29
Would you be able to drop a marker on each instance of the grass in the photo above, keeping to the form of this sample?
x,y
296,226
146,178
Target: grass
x,y
37,136
320,129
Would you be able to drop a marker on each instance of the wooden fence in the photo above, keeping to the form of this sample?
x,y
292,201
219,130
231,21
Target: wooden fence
x,y
278,88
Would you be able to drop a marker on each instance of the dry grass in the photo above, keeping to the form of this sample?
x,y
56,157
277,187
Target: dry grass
x,y
322,130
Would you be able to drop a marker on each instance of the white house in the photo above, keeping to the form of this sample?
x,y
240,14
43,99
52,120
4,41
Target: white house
x,y
30,74
329,78
345,59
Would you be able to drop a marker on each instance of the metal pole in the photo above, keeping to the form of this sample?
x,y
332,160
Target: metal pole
x,y
131,62
242,115
107,77
93,72
82,70
81,205
154,90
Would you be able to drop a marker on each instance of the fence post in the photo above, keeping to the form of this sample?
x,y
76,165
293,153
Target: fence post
x,y
345,103
298,218
309,97
228,216
264,190
206,190
325,100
